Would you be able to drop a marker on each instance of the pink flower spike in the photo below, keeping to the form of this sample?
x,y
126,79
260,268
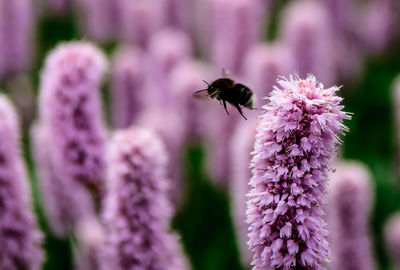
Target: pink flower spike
x,y
176,14
349,204
241,146
128,92
263,64
307,33
379,20
234,31
140,20
343,15
20,238
186,78
167,49
101,19
16,34
297,221
137,210
90,239
65,202
70,109
59,6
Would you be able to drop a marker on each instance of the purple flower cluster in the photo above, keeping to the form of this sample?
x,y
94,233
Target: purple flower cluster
x,y
64,202
187,76
343,15
173,135
20,239
16,33
176,14
264,63
379,24
306,31
221,129
297,136
101,19
128,92
167,49
236,27
232,34
59,6
344,18
349,204
137,210
242,145
90,235
140,20
69,105
71,146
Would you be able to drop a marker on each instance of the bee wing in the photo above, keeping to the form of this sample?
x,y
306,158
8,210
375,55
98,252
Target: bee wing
x,y
201,94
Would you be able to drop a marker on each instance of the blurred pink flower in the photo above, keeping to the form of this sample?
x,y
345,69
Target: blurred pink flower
x,y
263,64
70,138
100,19
70,109
307,32
185,79
128,91
59,6
176,14
168,125
140,20
236,26
137,211
90,239
241,146
349,204
220,130
16,36
65,203
343,15
379,24
168,48
20,238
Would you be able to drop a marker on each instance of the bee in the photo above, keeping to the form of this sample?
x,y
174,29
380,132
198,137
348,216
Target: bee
x,y
226,90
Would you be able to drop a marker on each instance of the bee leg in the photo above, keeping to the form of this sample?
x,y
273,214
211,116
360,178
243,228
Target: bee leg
x,y
224,102
240,111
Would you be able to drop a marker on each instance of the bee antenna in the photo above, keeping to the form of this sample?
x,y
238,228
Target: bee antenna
x,y
206,82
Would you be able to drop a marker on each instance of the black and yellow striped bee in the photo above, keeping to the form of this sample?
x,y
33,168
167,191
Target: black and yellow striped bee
x,y
226,90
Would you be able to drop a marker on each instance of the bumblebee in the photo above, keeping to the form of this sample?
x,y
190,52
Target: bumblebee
x,y
226,90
